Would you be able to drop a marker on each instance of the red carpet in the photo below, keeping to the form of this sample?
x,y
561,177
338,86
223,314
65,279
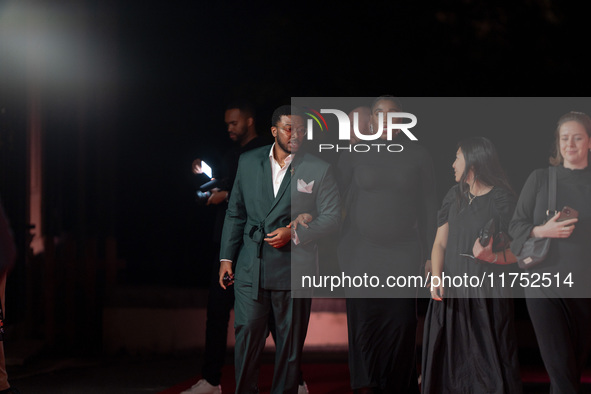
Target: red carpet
x,y
320,378
333,378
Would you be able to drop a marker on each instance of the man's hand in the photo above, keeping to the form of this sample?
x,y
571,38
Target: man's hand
x,y
302,219
217,196
225,268
279,237
196,167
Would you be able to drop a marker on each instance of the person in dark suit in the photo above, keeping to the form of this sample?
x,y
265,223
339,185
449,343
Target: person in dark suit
x,y
240,121
259,236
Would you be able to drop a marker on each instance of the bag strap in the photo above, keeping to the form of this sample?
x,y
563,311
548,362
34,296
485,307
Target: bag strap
x,y
551,192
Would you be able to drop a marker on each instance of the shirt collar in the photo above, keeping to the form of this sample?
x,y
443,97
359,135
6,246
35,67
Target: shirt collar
x,y
288,159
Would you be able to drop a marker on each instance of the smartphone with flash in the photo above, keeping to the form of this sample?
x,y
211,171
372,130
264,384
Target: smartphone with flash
x,y
567,213
206,169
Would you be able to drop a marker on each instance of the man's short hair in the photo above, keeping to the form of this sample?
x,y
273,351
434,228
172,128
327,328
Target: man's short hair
x,y
246,108
284,110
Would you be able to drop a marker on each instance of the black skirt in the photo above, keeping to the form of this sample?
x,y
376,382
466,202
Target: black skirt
x,y
470,346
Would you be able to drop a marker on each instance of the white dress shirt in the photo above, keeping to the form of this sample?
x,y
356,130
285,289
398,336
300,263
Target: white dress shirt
x,y
278,172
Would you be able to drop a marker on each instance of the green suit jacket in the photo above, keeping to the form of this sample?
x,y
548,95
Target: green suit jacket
x,y
253,211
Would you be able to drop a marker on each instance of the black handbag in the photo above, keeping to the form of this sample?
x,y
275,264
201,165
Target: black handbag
x,y
534,250
501,239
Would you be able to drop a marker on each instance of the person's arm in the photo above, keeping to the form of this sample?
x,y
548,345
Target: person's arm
x,y
217,196
279,237
522,221
437,260
440,244
522,226
226,175
554,229
428,208
504,203
234,224
301,220
328,208
225,268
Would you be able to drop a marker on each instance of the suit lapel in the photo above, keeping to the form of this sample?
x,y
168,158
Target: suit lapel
x,y
295,164
268,196
284,186
291,171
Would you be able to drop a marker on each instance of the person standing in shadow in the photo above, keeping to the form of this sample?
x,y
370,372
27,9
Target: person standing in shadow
x,y
240,121
7,259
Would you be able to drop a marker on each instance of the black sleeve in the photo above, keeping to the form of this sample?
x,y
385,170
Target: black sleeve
x,y
344,176
449,199
328,208
523,218
344,172
228,169
428,210
504,206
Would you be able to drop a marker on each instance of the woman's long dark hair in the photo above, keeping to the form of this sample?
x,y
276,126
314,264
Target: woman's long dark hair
x,y
481,157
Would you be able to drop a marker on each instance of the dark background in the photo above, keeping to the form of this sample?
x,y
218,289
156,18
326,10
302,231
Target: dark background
x,y
130,93
182,62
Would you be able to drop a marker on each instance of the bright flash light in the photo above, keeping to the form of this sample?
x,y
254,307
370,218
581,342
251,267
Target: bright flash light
x,y
206,169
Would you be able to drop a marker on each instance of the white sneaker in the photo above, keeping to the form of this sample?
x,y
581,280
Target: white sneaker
x,y
303,389
203,387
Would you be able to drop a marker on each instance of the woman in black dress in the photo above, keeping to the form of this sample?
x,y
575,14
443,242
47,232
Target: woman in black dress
x,y
469,343
561,323
390,221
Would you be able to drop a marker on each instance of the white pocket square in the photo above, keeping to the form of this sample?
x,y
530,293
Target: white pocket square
x,y
305,187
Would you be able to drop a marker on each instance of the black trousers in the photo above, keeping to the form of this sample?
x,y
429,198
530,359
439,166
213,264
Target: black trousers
x,y
382,339
219,304
252,316
562,328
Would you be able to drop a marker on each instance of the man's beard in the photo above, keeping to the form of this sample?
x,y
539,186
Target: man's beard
x,y
289,148
285,147
241,135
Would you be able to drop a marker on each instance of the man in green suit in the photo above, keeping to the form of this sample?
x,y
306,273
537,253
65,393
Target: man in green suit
x,y
260,234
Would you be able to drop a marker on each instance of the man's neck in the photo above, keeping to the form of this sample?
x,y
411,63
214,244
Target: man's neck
x,y
249,137
279,155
